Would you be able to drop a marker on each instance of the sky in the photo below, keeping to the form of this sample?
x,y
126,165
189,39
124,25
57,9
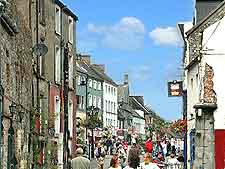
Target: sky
x,y
138,37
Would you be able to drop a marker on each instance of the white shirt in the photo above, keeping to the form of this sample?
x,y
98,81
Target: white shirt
x,y
149,166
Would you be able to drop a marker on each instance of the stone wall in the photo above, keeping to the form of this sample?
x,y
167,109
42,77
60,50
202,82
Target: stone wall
x,y
16,66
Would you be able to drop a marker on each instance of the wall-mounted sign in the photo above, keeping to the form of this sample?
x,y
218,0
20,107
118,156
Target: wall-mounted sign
x,y
175,88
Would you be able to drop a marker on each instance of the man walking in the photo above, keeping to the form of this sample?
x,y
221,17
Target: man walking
x,y
80,162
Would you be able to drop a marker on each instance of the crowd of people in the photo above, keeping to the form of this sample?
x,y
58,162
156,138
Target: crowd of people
x,y
162,153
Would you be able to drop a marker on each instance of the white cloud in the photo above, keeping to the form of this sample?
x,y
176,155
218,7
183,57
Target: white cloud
x,y
165,36
127,34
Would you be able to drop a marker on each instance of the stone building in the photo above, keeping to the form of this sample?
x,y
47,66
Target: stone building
x,y
16,80
205,91
55,26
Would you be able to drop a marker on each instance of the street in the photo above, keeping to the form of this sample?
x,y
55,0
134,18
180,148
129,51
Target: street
x,y
94,164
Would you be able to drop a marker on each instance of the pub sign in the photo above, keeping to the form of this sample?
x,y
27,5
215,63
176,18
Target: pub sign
x,y
175,88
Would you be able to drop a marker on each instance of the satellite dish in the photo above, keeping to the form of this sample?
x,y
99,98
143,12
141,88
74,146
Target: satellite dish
x,y
40,49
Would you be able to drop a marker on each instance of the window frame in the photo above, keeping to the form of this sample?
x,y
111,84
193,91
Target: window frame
x,y
58,20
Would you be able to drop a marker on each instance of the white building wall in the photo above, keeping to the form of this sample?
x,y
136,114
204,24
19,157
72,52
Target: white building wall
x,y
214,55
110,115
193,95
139,125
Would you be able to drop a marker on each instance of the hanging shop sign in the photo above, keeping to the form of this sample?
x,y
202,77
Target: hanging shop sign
x,y
175,88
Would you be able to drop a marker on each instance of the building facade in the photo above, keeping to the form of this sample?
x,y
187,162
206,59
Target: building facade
x,y
53,24
205,84
15,81
109,98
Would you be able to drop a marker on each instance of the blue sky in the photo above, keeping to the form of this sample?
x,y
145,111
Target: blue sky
x,y
138,37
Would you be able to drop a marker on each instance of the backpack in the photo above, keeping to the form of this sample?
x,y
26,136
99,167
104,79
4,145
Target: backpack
x,y
149,146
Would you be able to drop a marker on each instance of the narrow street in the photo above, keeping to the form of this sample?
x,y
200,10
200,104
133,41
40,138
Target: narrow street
x,y
94,164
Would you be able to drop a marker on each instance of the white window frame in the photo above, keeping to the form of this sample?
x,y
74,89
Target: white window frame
x,y
90,100
99,102
70,23
57,64
90,83
70,117
99,86
70,70
94,101
95,84
57,20
57,114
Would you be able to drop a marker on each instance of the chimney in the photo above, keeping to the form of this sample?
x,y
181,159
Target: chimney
x,y
126,80
100,67
204,7
85,58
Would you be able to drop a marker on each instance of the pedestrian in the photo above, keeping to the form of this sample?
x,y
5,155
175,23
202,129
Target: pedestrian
x,y
148,163
115,162
149,145
173,163
133,158
80,162
157,152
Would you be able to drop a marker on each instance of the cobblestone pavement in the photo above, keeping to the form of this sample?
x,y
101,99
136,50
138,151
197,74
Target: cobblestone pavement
x,y
94,164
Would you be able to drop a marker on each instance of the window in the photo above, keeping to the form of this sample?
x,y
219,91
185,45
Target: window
x,y
70,147
70,71
99,86
57,64
90,100
82,102
70,118
114,92
106,88
94,84
57,115
99,102
70,29
106,107
57,20
94,101
78,79
42,11
114,107
109,107
41,63
90,83
109,89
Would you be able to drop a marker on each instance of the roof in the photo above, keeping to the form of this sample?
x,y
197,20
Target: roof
x,y
217,9
138,105
130,110
67,10
83,67
103,75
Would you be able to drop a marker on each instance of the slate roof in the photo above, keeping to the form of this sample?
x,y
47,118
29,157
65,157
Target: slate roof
x,y
83,67
206,18
129,109
103,75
